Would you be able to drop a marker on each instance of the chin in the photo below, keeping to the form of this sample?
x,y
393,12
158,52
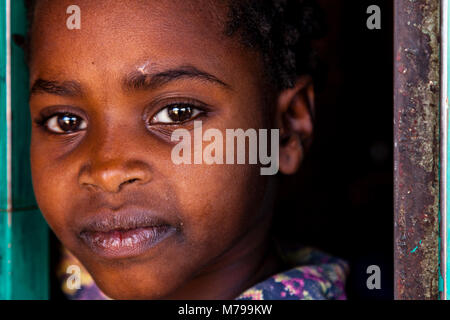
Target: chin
x,y
129,287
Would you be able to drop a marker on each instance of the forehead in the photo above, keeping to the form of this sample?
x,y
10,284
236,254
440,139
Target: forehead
x,y
116,35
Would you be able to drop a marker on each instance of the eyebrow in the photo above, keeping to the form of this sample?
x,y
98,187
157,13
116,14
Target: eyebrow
x,y
135,80
138,80
65,88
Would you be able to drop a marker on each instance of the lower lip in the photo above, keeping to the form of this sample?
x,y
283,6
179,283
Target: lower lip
x,y
119,244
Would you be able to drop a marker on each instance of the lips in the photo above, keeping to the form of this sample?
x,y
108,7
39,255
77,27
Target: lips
x,y
125,233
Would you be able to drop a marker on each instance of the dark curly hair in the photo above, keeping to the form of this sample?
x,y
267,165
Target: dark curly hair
x,y
282,30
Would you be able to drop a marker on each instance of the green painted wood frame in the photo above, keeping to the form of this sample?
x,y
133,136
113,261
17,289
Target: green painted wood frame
x,y
24,241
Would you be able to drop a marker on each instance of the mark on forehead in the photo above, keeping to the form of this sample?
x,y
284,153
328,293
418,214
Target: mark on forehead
x,y
145,68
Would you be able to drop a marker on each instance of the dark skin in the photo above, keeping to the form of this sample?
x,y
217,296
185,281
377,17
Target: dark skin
x,y
116,156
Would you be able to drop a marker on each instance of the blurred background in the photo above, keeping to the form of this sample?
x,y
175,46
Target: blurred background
x,y
341,201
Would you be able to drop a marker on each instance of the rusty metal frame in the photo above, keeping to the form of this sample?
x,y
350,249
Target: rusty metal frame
x,y
416,148
444,145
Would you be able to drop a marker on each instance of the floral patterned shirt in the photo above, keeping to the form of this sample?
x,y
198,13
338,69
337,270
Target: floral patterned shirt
x,y
314,275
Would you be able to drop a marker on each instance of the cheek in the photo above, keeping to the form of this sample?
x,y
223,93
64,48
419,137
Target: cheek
x,y
219,202
51,184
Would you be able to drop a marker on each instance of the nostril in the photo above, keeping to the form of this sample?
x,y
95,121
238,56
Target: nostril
x,y
90,186
112,176
129,181
126,182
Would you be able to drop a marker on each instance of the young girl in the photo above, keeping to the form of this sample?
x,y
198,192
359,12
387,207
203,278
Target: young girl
x,y
106,99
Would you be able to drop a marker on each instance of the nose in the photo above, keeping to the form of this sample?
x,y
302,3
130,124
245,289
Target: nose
x,y
111,176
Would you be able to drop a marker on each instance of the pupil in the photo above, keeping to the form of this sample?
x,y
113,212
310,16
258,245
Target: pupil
x,y
180,114
68,122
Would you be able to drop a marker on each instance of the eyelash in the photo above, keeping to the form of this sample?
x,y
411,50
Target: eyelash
x,y
42,120
202,111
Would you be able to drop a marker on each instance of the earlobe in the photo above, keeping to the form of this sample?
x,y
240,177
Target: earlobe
x,y
295,119
291,155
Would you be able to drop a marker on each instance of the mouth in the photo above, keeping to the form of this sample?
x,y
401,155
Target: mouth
x,y
124,234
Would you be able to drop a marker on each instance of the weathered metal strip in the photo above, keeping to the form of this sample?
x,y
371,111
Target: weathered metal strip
x,y
444,154
416,148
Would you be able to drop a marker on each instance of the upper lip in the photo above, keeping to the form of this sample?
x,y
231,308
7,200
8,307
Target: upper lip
x,y
121,220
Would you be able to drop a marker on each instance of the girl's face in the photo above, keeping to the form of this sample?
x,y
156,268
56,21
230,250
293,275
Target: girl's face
x,y
103,102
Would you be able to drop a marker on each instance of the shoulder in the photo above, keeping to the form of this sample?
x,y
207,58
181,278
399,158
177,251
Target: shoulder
x,y
314,275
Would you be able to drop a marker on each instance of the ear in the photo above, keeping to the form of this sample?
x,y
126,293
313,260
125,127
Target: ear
x,y
294,116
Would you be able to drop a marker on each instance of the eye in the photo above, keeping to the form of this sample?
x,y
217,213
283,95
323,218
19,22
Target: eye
x,y
65,123
176,113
